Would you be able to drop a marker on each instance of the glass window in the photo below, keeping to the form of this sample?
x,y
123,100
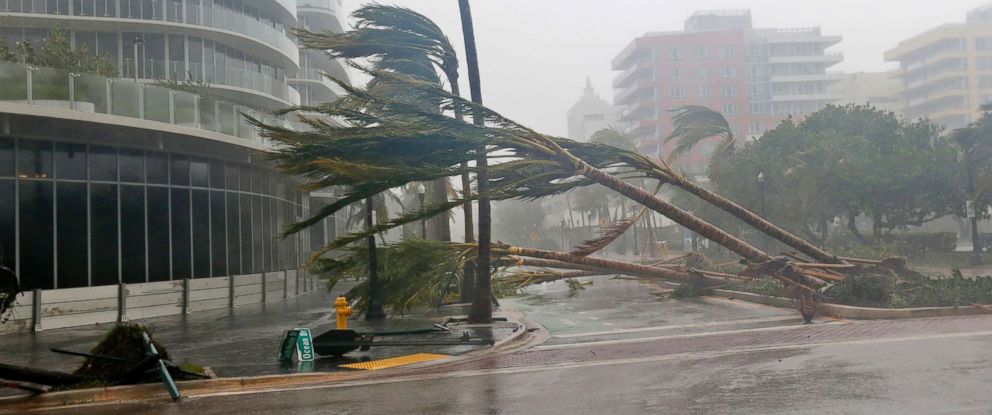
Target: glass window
x,y
245,179
216,174
267,234
256,180
157,167
70,161
36,235
133,234
233,234
218,241
34,158
107,43
158,234
132,164
73,268
103,163
274,210
179,171
6,157
247,252
198,172
201,233
181,252
258,234
7,223
231,176
103,234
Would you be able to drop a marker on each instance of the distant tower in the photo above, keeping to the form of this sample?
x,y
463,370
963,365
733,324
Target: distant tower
x,y
589,114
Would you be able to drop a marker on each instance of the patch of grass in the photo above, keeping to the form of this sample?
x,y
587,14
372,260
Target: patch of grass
x,y
690,291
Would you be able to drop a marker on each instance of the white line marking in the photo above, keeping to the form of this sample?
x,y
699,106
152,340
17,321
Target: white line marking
x,y
678,326
677,336
610,362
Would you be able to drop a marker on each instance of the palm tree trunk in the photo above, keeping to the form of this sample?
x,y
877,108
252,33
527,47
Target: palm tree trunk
x,y
693,223
482,308
375,311
619,267
758,222
468,276
439,228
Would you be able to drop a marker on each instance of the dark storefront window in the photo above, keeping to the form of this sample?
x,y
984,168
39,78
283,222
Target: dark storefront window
x,y
218,241
157,167
103,235
233,234
70,161
181,249
8,257
74,215
159,255
73,264
34,159
201,233
132,233
36,234
103,163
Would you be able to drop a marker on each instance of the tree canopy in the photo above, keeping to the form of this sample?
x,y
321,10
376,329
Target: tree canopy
x,y
845,161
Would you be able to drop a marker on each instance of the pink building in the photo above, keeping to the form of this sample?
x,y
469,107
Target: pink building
x,y
754,77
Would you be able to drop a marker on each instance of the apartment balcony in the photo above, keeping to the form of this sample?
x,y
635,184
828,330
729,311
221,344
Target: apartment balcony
x,y
818,77
803,97
831,58
216,23
639,70
640,109
36,90
634,90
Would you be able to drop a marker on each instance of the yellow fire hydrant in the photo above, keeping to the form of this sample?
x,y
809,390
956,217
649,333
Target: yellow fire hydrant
x,y
343,311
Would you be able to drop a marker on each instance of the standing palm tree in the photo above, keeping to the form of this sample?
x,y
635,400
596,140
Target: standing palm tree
x,y
692,125
407,42
975,145
482,307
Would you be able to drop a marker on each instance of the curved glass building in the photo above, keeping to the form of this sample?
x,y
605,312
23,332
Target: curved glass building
x,y
123,179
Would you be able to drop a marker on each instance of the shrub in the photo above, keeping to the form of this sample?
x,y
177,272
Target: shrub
x,y
866,290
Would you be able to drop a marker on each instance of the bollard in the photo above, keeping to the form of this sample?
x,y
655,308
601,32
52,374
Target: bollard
x,y
342,310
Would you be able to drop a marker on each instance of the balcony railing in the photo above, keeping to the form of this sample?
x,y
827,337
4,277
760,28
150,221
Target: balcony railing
x,y
214,74
215,17
48,87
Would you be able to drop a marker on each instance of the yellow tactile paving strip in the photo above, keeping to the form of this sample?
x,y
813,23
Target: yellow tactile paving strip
x,y
395,361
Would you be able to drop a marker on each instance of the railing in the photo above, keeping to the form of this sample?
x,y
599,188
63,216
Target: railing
x,y
214,74
59,88
215,17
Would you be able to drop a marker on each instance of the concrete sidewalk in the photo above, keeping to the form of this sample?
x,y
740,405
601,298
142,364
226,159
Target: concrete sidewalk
x,y
243,341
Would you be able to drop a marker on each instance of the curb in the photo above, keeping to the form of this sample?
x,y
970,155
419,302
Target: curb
x,y
854,312
198,388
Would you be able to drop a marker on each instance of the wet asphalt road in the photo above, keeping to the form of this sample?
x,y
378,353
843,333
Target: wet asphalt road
x,y
650,354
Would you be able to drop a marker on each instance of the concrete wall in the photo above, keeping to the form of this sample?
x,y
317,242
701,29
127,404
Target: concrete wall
x,y
70,307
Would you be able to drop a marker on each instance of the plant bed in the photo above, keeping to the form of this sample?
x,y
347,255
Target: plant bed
x,y
912,291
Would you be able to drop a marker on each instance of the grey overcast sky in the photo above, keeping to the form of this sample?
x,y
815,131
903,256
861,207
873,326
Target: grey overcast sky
x,y
534,55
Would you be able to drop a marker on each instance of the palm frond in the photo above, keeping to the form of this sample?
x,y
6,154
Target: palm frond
x,y
694,123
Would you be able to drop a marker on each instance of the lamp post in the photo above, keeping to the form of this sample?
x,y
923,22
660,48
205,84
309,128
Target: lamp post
x,y
375,311
421,193
137,42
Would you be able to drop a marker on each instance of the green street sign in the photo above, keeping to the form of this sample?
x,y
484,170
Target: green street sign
x,y
297,341
304,345
288,345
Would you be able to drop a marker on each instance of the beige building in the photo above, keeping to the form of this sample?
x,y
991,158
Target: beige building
x,y
946,72
883,90
589,114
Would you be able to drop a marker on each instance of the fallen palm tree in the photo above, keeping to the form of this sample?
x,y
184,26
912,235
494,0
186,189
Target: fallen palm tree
x,y
372,151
